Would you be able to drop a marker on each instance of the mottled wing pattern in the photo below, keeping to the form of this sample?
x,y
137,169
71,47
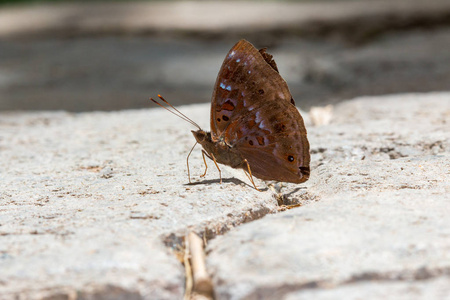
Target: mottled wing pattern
x,y
244,79
253,111
274,142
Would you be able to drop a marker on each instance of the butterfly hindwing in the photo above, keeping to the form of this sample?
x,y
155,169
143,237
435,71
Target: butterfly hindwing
x,y
274,142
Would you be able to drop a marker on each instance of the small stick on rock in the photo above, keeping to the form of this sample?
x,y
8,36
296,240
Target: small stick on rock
x,y
188,270
202,282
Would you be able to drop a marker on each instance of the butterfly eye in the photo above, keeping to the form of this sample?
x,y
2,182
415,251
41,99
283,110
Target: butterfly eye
x,y
290,158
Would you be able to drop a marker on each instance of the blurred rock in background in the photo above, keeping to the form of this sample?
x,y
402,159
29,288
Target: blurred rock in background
x,y
87,56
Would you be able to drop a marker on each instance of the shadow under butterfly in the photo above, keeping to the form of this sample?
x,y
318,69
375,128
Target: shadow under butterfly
x,y
255,125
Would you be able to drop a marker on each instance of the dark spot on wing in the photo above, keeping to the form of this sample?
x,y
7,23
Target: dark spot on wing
x,y
228,105
273,119
260,140
279,127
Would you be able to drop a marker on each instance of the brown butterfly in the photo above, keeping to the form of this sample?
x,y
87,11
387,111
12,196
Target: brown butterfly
x,y
255,125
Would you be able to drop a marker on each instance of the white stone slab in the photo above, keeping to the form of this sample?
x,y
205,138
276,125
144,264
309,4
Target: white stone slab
x,y
375,211
87,202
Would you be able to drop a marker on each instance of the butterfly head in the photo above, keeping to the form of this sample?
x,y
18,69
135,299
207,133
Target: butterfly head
x,y
201,136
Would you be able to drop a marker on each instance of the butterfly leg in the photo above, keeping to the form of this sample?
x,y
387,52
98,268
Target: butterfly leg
x,y
204,160
187,162
249,175
211,156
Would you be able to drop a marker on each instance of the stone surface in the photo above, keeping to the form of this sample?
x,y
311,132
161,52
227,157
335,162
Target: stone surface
x,y
88,201
93,205
374,215
436,288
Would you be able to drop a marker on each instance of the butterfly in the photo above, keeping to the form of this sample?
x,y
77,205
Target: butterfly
x,y
255,125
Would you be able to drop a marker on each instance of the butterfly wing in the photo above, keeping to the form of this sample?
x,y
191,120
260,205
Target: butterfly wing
x,y
247,76
274,142
253,111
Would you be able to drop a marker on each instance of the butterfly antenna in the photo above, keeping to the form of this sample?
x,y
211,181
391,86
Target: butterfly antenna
x,y
174,111
179,112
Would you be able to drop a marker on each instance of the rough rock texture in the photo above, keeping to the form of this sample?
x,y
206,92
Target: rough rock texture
x,y
435,288
92,205
88,201
374,215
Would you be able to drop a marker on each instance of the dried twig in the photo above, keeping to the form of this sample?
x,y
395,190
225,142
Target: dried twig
x,y
188,270
202,282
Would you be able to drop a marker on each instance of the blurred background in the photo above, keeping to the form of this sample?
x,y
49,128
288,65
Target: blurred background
x,y
113,55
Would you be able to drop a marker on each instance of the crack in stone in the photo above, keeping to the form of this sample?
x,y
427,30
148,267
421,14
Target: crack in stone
x,y
422,273
277,292
176,241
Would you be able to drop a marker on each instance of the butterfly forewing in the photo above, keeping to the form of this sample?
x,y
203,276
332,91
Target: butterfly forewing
x,y
253,111
245,79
